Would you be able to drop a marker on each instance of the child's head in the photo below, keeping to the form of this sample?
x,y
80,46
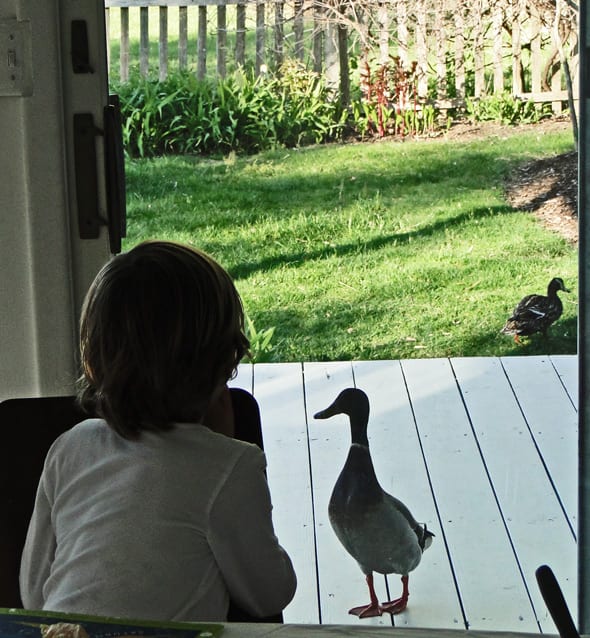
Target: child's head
x,y
161,331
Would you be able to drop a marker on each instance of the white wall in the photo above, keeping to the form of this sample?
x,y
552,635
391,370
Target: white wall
x,y
45,268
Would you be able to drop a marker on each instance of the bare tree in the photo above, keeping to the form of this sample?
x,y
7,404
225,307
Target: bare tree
x,y
373,26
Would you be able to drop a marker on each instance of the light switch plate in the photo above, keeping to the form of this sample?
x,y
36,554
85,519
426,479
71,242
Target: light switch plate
x,y
16,74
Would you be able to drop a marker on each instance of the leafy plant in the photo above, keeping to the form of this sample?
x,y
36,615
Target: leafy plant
x,y
389,104
506,109
240,113
262,350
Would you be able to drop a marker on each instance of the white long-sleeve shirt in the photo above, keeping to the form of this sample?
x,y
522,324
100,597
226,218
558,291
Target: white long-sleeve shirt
x,y
166,528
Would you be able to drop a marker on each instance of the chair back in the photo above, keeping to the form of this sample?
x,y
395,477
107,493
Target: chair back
x,y
28,428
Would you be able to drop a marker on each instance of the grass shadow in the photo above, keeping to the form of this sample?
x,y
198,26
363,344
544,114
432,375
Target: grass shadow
x,y
295,259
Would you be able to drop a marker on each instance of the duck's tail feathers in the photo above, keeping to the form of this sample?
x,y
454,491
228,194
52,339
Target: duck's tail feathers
x,y
509,328
424,536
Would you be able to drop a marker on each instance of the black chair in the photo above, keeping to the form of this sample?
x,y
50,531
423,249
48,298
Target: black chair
x,y
28,428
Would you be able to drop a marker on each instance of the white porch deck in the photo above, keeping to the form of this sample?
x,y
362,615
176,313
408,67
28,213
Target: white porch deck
x,y
484,450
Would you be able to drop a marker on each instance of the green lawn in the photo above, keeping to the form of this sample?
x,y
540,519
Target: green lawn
x,y
368,251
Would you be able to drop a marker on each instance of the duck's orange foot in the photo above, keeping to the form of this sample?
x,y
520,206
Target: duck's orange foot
x,y
366,611
370,611
395,606
375,609
399,604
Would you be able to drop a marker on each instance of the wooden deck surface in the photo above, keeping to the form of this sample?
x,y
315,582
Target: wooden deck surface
x,y
483,450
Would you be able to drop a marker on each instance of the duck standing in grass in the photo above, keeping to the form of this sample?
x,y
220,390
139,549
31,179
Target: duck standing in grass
x,y
376,529
535,313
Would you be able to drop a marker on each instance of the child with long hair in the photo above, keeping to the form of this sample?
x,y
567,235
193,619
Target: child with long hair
x,y
153,510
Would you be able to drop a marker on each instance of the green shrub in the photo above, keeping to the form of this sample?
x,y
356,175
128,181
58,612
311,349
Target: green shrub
x,y
240,113
506,109
290,108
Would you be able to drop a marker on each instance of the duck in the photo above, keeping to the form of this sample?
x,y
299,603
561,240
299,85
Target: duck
x,y
535,313
374,527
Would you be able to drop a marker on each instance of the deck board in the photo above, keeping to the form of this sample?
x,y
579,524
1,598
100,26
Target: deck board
x,y
566,367
478,543
481,449
279,392
521,485
553,422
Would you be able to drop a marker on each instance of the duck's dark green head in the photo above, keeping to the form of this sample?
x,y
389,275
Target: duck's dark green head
x,y
349,401
355,404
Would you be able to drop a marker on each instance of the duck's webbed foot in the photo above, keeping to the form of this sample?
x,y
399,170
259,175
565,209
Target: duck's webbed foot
x,y
376,609
373,608
395,606
399,604
366,611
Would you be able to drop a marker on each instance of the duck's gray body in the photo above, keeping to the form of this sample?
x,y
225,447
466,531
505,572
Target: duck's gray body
x,y
375,528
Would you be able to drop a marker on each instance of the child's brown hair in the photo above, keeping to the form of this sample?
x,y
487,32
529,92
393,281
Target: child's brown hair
x,y
162,329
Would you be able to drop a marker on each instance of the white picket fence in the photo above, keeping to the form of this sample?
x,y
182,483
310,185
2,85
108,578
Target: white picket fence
x,y
461,49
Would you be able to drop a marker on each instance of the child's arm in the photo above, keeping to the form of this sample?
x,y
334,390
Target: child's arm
x,y
257,570
38,553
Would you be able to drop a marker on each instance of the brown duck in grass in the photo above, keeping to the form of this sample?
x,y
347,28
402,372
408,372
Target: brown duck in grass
x,y
535,313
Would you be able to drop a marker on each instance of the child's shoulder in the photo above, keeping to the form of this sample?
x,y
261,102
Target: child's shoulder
x,y
203,436
83,429
83,433
183,439
186,444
